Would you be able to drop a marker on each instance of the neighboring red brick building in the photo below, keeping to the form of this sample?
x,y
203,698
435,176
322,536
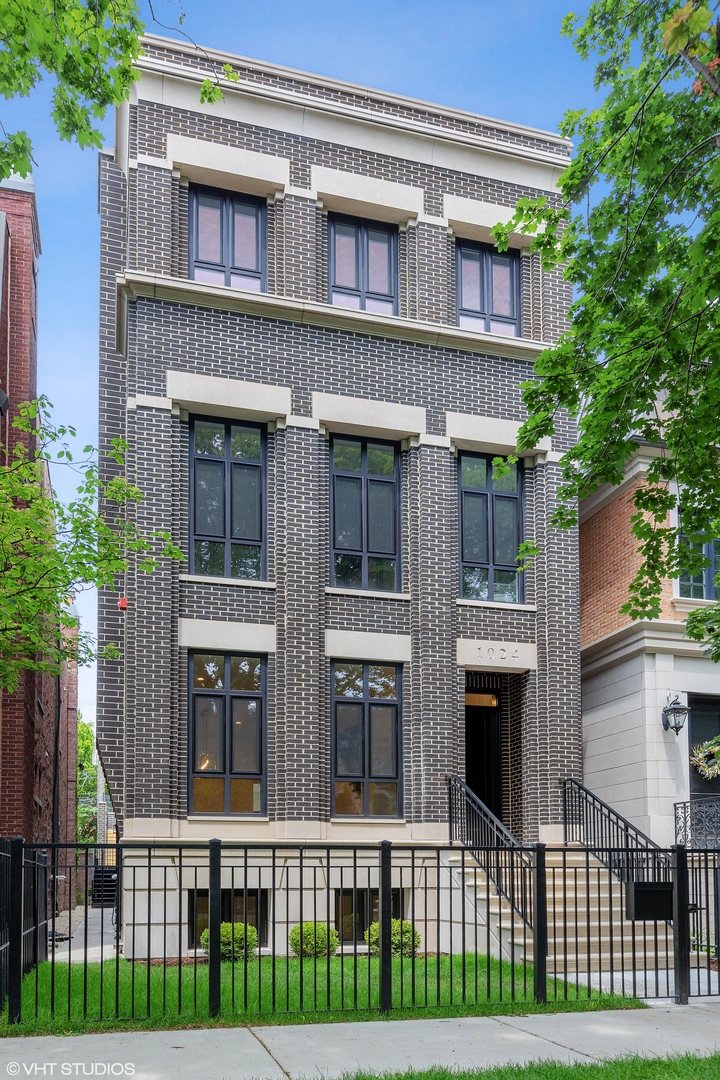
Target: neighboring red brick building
x,y
37,792
632,670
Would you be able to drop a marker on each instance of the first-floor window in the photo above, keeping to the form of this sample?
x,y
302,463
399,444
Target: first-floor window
x,y
355,909
226,733
701,586
238,905
366,739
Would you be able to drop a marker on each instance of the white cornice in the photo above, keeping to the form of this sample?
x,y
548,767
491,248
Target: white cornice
x,y
133,284
635,469
372,94
329,121
656,636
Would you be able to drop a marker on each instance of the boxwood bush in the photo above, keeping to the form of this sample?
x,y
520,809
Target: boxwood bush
x,y
314,940
404,940
244,945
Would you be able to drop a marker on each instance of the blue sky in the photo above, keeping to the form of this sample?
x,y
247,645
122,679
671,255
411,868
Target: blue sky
x,y
481,55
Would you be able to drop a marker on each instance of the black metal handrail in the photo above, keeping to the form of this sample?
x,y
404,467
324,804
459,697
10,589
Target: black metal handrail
x,y
503,858
697,823
590,821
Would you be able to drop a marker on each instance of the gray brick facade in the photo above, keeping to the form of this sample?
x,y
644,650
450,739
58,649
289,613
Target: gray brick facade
x,y
143,698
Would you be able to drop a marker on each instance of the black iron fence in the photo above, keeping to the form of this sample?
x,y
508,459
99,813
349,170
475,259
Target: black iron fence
x,y
697,823
200,930
4,919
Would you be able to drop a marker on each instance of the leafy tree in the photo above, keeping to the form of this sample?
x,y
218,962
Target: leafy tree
x,y
50,551
636,227
88,46
86,783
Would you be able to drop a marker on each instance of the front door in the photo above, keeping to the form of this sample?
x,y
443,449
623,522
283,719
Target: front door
x,y
704,724
483,772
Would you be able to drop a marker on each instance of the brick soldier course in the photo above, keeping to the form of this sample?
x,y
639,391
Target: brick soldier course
x,y
173,347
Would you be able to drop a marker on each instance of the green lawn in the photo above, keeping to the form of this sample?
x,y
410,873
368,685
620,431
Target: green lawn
x,y
635,1068
284,990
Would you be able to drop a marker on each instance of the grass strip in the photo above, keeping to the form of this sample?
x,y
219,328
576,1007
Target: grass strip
x,y
685,1067
134,996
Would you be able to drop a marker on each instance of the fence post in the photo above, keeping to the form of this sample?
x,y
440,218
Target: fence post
x,y
681,925
385,926
214,918
15,928
540,930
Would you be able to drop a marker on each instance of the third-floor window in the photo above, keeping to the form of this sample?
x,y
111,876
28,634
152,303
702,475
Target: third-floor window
x,y
363,265
227,239
487,289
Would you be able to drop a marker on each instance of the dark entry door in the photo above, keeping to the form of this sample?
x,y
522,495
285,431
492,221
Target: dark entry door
x,y
483,773
704,724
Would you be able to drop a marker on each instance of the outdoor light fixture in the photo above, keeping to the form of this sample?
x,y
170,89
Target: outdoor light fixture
x,y
674,715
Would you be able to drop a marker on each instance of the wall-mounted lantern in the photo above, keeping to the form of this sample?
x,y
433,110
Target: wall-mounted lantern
x,y
674,715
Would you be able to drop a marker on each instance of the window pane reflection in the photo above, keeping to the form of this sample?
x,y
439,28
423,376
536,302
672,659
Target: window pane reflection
x,y
245,673
209,734
209,229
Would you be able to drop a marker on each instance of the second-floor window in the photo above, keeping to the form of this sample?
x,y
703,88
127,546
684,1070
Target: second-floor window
x,y
363,265
227,490
227,239
488,295
490,530
701,586
364,514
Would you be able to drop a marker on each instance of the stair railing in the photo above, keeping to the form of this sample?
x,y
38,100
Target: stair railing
x,y
613,840
501,856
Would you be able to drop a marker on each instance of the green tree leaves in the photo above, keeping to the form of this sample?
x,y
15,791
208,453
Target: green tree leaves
x,y
88,46
637,230
49,551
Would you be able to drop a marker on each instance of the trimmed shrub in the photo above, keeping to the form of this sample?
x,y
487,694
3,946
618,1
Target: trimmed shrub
x,y
243,947
404,941
314,940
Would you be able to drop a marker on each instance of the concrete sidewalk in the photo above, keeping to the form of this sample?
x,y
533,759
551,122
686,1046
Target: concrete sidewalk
x,y
330,1050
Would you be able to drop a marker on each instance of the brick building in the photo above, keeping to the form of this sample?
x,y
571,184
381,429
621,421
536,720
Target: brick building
x,y
314,353
632,670
38,721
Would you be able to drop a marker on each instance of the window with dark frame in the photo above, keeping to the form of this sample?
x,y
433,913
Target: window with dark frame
x,y
227,239
363,265
490,530
488,289
227,495
701,586
227,693
364,514
237,905
356,909
366,739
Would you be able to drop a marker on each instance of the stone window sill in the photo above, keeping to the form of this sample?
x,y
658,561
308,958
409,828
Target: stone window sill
x,y
688,603
360,820
246,583
244,818
498,605
332,591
